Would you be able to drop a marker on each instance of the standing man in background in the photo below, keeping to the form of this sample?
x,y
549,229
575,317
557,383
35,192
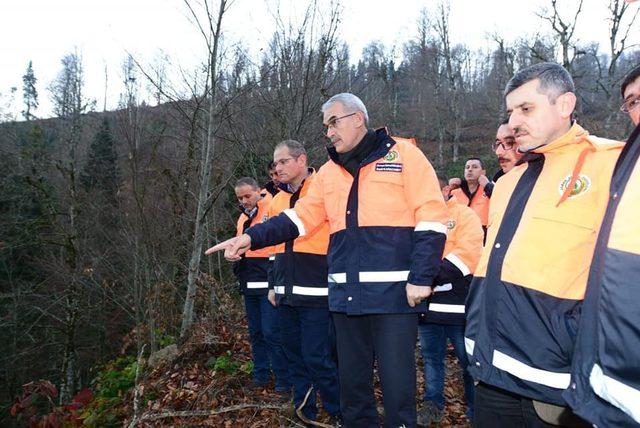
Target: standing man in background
x,y
506,149
252,271
272,186
472,190
298,287
445,316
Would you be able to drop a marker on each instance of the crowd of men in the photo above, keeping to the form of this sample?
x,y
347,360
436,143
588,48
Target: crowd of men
x,y
529,275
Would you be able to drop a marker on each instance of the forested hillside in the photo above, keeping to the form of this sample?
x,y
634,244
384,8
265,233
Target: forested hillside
x,y
104,215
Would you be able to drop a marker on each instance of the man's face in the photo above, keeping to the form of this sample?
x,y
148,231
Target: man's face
x,y
248,196
536,121
631,92
473,170
273,174
288,167
345,129
507,158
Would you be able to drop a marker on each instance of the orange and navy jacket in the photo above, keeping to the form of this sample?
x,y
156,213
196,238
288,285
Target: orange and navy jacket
x,y
478,202
387,226
252,270
299,272
605,376
461,255
527,292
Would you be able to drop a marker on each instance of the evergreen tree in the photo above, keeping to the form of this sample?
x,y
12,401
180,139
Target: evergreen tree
x,y
100,174
29,93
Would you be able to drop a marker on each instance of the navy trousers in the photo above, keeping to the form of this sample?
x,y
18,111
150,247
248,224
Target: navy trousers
x,y
389,339
266,343
307,343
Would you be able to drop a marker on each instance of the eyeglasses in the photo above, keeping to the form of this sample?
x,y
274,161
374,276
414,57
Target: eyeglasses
x,y
506,145
332,123
284,161
630,104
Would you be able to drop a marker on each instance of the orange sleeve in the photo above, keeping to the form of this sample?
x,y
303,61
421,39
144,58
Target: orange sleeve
x,y
469,236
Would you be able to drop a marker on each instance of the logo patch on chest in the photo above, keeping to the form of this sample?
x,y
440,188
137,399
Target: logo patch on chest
x,y
389,167
582,185
391,156
451,224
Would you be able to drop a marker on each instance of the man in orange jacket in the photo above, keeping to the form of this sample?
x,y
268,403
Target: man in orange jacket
x,y
472,189
252,271
605,375
445,316
526,296
387,220
298,287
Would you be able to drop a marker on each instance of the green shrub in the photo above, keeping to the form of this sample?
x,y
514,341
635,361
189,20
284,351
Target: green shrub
x,y
111,385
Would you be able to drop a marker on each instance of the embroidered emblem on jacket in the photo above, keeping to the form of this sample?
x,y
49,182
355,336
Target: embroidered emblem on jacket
x,y
391,156
451,224
265,218
582,185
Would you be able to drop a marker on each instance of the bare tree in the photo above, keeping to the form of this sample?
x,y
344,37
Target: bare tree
x,y
618,36
70,103
211,31
564,30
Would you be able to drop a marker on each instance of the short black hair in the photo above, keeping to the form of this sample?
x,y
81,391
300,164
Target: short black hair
x,y
629,79
555,80
504,120
247,181
271,166
474,158
442,179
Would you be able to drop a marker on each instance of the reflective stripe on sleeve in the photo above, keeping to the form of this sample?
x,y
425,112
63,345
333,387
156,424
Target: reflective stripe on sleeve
x,y
621,395
384,276
469,344
457,261
338,278
448,309
296,220
257,285
279,289
272,257
531,374
443,287
310,291
425,226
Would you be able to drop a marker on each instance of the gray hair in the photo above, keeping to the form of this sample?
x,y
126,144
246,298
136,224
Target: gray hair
x,y
554,80
350,102
247,181
295,147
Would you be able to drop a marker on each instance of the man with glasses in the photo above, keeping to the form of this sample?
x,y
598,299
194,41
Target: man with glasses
x,y
506,149
630,90
388,224
605,376
298,287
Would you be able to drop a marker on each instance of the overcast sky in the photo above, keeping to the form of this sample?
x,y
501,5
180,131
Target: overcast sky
x,y
103,31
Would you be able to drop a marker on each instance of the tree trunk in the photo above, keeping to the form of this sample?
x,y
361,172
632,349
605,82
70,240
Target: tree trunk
x,y
205,178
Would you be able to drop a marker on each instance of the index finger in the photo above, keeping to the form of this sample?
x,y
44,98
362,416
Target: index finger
x,y
221,246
